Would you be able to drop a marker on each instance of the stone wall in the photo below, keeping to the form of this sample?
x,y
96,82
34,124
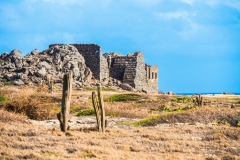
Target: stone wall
x,y
119,65
91,54
140,77
130,69
104,69
152,78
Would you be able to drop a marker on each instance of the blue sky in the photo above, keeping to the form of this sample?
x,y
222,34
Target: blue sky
x,y
195,43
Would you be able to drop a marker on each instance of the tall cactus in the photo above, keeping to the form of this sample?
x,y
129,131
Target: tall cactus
x,y
63,116
50,85
199,100
98,106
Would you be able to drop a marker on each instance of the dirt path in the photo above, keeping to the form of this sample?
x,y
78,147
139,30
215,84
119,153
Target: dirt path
x,y
84,122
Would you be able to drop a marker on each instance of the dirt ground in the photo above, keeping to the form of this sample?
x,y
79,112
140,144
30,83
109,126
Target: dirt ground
x,y
193,134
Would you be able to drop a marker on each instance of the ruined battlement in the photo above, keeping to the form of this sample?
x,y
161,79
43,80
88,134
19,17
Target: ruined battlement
x,y
130,69
88,64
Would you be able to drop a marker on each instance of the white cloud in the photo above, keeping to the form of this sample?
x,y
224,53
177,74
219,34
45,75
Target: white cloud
x,y
192,29
229,3
148,3
173,15
232,3
190,2
65,2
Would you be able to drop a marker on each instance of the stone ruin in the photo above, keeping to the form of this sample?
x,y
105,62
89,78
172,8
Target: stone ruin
x,y
88,64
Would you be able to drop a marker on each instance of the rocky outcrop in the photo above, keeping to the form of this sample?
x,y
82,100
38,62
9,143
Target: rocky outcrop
x,y
41,67
88,64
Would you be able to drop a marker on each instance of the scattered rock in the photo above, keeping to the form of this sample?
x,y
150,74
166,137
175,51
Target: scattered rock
x,y
35,52
18,82
38,67
127,87
89,67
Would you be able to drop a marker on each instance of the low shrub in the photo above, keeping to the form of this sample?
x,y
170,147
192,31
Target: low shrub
x,y
192,115
123,97
88,154
89,89
108,90
3,98
182,99
74,109
11,117
164,108
151,120
221,122
179,109
86,112
1,61
34,104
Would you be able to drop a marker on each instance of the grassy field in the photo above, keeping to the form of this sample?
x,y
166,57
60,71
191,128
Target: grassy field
x,y
168,127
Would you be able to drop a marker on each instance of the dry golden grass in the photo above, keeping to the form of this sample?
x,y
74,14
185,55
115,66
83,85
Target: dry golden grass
x,y
8,117
127,110
188,134
34,103
177,141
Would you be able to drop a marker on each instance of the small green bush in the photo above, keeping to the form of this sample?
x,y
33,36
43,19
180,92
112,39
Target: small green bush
x,y
8,83
88,155
123,97
164,108
86,112
222,122
1,61
3,98
238,102
182,108
74,108
89,88
108,89
152,120
182,99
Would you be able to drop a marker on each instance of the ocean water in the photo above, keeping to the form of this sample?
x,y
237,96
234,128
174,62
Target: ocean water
x,y
190,94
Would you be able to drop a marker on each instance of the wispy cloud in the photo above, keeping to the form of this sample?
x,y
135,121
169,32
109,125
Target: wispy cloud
x,y
174,15
65,2
191,30
230,3
190,2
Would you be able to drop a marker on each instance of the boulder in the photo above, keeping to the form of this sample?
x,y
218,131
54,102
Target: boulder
x,y
126,86
41,72
34,52
38,67
3,55
18,82
10,76
44,64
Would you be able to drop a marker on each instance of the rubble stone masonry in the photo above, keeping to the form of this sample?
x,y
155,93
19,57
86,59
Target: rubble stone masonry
x,y
87,62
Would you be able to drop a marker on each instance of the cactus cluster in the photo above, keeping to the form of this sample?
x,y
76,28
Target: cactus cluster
x,y
97,101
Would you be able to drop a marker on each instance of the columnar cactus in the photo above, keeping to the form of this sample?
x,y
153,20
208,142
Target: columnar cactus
x,y
98,106
199,100
50,85
63,116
